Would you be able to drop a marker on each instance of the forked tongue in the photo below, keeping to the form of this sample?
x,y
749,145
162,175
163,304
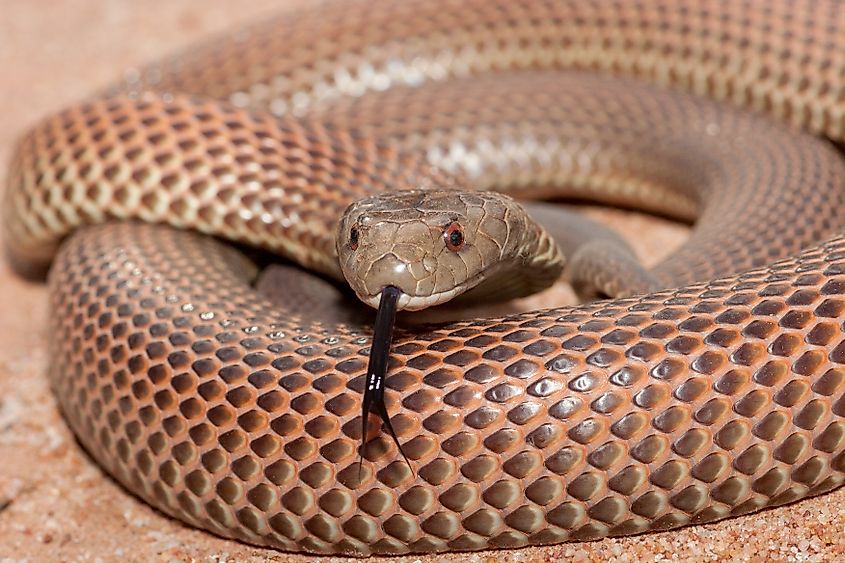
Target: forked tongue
x,y
377,368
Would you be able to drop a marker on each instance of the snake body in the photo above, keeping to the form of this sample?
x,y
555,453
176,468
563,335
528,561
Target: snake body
x,y
719,396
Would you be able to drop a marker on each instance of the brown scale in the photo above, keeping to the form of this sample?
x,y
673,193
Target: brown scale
x,y
683,406
611,418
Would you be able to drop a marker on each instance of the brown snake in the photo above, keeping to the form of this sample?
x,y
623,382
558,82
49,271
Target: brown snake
x,y
683,406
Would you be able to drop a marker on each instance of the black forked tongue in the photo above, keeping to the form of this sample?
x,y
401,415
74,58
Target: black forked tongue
x,y
377,369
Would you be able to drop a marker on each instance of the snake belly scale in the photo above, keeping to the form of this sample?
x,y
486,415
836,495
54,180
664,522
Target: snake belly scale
x,y
716,397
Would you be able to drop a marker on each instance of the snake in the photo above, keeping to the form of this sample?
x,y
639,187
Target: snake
x,y
717,393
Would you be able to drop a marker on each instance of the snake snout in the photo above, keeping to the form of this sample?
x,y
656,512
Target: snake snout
x,y
391,270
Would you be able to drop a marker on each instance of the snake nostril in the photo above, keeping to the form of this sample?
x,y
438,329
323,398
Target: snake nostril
x,y
429,264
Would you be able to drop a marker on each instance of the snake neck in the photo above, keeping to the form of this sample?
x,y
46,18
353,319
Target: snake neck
x,y
537,265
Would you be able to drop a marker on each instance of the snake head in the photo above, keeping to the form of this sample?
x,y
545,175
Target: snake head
x,y
432,245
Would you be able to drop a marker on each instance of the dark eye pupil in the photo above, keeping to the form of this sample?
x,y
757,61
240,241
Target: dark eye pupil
x,y
353,236
456,238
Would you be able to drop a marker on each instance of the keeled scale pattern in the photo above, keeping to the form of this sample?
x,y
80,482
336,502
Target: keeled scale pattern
x,y
643,414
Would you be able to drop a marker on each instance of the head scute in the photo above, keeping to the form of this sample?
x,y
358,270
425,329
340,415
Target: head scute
x,y
433,245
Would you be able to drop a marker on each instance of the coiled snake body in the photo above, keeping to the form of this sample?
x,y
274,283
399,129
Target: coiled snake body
x,y
717,398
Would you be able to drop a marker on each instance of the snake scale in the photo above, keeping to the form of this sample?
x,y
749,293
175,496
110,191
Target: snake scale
x,y
716,397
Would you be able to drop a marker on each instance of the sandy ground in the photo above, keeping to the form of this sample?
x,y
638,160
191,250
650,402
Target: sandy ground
x,y
56,504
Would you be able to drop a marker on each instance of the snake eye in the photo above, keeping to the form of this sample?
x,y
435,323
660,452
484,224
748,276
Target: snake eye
x,y
353,237
454,235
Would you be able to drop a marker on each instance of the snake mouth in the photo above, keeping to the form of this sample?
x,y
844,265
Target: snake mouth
x,y
407,302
